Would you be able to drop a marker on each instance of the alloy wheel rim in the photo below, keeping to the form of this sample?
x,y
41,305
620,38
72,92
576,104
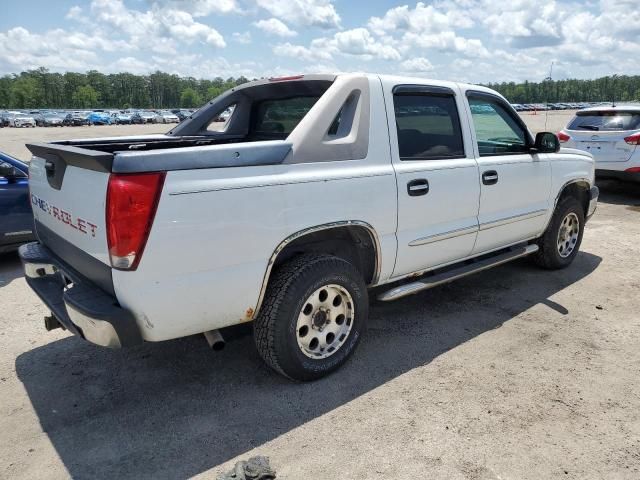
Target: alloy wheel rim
x,y
325,321
568,235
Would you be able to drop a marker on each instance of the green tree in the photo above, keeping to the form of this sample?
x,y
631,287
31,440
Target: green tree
x,y
26,92
85,97
189,98
43,89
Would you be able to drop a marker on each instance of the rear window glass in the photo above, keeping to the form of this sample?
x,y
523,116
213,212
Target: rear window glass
x,y
606,121
221,120
428,127
280,117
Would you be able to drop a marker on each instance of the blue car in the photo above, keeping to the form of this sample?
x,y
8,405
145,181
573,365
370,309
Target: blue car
x,y
99,118
16,218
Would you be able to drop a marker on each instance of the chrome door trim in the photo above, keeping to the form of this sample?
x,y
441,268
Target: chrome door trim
x,y
512,219
443,236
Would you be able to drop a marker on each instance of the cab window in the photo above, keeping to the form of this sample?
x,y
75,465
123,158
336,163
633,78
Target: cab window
x,y
428,126
497,130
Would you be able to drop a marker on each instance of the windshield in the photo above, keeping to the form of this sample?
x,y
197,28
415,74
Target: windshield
x,y
612,120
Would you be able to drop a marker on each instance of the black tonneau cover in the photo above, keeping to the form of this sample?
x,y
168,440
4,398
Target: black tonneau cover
x,y
271,152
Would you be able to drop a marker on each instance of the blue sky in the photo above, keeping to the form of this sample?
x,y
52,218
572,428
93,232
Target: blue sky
x,y
466,40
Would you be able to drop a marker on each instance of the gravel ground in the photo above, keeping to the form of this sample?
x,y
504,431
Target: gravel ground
x,y
513,373
12,140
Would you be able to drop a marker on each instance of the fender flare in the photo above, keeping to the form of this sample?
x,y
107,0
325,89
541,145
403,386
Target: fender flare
x,y
306,231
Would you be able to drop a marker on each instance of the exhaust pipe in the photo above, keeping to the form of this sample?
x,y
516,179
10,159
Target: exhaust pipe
x,y
215,340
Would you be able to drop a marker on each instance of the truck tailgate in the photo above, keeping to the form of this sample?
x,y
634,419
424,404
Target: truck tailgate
x,y
68,195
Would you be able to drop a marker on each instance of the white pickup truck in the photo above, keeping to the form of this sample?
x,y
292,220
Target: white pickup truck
x,y
284,201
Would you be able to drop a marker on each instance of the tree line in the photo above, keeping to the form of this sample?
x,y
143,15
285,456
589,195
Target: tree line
x,y
621,88
43,89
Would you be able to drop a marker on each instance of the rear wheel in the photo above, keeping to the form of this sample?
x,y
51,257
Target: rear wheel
x,y
560,243
314,313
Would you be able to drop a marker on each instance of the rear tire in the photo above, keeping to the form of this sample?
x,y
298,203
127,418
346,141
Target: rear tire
x,y
561,241
314,312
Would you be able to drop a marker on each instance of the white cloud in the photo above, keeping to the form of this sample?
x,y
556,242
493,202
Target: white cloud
x,y
423,19
301,52
273,26
417,64
528,23
158,28
56,49
316,13
199,8
243,38
445,42
359,41
74,13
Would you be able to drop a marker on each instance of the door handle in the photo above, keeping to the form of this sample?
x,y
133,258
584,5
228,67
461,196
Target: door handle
x,y
490,177
418,187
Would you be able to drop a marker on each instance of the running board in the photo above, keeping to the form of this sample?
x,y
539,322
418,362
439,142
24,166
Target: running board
x,y
456,273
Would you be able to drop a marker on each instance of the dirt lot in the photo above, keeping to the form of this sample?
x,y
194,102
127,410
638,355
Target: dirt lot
x,y
12,140
514,373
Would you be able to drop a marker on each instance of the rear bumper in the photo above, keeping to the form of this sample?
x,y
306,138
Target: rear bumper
x,y
619,175
594,193
78,305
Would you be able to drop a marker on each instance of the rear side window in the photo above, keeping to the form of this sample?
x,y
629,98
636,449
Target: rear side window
x,y
428,126
278,118
606,121
221,119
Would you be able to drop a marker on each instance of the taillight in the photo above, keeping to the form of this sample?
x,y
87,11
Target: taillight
x,y
633,170
633,139
563,137
132,200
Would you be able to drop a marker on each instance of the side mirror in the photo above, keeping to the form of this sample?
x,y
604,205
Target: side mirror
x,y
7,171
546,142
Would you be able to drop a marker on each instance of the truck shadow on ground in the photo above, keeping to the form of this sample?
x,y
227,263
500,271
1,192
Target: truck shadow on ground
x,y
175,409
10,268
619,193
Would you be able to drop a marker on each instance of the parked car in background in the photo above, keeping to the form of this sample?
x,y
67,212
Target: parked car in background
x,y
150,117
21,120
182,114
121,118
49,119
4,119
76,119
224,115
16,219
611,135
99,118
167,117
137,118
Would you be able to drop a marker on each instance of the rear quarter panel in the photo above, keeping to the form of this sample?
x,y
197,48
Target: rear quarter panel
x,y
216,229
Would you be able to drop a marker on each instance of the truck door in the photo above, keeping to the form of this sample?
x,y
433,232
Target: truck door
x,y
437,176
515,183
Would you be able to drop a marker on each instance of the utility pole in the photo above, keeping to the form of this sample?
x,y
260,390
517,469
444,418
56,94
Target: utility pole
x,y
550,80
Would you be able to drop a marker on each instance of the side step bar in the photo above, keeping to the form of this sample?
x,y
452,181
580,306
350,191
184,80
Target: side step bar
x,y
456,273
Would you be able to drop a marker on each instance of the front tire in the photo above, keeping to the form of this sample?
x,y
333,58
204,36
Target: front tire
x,y
561,241
314,312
